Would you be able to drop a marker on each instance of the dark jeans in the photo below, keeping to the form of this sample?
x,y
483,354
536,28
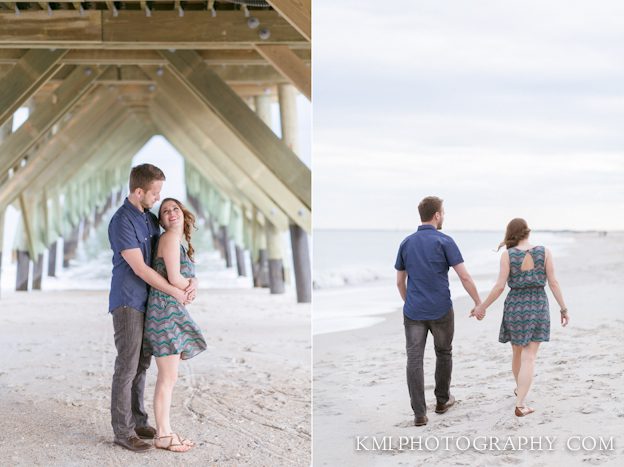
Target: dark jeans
x,y
416,337
127,409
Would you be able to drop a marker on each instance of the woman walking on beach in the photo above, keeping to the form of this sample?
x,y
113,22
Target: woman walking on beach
x,y
170,333
526,317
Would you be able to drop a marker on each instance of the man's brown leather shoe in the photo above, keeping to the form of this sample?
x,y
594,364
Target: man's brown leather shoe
x,y
441,408
133,443
420,421
145,432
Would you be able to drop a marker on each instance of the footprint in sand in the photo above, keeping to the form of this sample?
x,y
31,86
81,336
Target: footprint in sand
x,y
594,460
405,424
589,409
509,459
507,423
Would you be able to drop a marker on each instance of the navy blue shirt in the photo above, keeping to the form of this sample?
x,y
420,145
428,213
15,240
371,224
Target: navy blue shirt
x,y
130,228
426,255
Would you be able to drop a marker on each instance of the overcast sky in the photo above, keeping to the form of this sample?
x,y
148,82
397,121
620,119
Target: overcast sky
x,y
504,109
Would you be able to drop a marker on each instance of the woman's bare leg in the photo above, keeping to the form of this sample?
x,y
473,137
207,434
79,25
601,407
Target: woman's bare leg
x,y
515,361
525,375
167,377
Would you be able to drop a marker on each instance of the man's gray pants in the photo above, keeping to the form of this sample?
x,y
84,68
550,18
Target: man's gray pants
x,y
127,408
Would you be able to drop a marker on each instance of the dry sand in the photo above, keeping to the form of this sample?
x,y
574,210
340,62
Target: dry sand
x,y
360,389
244,401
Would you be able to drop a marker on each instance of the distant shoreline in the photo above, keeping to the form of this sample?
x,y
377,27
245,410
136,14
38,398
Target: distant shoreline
x,y
566,231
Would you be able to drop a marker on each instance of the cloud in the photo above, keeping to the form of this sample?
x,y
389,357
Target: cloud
x,y
503,106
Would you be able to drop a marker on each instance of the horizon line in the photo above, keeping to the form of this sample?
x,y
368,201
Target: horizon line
x,y
353,229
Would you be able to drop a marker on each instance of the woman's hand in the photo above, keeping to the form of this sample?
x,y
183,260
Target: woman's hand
x,y
181,296
478,312
191,290
565,319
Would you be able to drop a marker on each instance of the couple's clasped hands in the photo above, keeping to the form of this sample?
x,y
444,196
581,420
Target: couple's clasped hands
x,y
478,312
188,295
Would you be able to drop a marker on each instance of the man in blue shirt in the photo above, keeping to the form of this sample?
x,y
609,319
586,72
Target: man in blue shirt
x,y
133,232
422,266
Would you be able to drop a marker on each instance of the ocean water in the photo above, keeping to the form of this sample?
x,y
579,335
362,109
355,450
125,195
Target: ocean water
x,y
354,275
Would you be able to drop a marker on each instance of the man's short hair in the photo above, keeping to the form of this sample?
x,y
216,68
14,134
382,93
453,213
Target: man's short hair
x,y
143,175
428,207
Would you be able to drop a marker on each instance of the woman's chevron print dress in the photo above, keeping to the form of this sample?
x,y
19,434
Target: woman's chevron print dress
x,y
169,329
526,317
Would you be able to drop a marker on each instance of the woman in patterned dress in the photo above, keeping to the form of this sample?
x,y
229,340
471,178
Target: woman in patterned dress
x,y
170,334
526,317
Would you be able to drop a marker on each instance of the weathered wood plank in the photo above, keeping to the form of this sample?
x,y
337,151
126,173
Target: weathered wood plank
x,y
84,121
78,82
34,27
132,29
297,12
183,133
241,121
25,78
217,139
290,66
234,74
151,57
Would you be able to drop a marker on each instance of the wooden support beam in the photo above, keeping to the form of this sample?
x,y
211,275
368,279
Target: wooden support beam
x,y
100,150
298,237
169,114
52,252
218,140
132,29
23,262
232,74
37,272
297,12
83,122
77,84
27,208
31,72
225,57
201,158
247,195
197,158
122,135
290,66
242,123
276,262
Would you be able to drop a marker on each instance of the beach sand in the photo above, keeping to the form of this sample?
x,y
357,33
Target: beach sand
x,y
359,386
244,401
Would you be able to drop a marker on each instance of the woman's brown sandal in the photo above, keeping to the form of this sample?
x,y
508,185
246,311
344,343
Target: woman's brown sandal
x,y
523,411
173,437
187,442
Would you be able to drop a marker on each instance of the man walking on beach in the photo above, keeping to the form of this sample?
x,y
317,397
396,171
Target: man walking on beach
x,y
133,232
422,266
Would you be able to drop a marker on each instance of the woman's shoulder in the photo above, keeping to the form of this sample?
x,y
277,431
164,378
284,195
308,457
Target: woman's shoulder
x,y
169,240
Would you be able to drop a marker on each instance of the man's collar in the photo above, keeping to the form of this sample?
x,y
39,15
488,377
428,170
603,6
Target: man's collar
x,y
132,207
426,227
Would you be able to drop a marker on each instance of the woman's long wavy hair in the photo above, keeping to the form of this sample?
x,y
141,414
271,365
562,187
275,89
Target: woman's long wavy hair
x,y
517,230
189,223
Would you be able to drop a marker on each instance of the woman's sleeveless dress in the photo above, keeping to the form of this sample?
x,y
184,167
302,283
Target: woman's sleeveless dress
x,y
526,317
169,329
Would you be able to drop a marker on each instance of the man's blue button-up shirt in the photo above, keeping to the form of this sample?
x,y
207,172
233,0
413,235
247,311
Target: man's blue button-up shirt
x,y
426,256
130,228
